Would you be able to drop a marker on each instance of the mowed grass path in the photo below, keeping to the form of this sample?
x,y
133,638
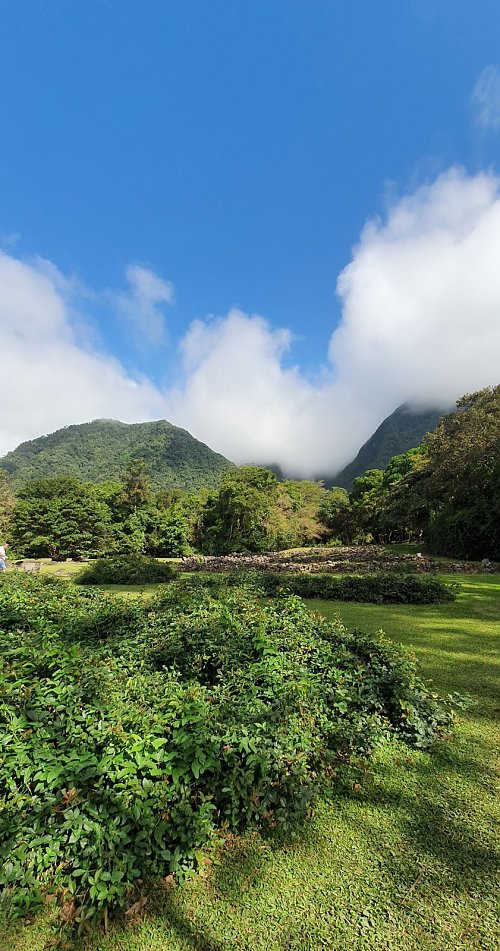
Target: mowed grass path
x,y
406,860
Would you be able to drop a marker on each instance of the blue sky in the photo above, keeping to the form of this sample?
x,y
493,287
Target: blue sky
x,y
235,150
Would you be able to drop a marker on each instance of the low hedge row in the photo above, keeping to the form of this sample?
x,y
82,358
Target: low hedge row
x,y
380,588
385,588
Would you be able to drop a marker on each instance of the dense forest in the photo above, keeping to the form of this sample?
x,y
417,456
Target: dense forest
x,y
445,494
62,517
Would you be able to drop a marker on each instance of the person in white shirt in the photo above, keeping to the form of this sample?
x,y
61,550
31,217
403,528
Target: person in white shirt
x,y
3,557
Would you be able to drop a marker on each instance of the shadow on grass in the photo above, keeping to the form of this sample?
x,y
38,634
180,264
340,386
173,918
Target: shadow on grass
x,y
439,851
435,848
192,934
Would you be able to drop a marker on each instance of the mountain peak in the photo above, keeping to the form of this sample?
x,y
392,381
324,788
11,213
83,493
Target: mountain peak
x,y
101,450
404,429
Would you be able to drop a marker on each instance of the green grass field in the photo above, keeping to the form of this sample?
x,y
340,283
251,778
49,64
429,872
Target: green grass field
x,y
406,860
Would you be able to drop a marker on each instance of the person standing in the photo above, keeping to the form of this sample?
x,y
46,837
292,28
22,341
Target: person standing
x,y
3,557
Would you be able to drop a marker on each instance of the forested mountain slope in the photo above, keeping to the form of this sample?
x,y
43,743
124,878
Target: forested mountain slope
x,y
102,449
404,429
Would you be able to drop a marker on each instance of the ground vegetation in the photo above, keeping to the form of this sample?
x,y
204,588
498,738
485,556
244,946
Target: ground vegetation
x,y
132,731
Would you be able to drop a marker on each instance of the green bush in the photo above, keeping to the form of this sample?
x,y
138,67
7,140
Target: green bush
x,y
129,734
383,588
126,569
380,588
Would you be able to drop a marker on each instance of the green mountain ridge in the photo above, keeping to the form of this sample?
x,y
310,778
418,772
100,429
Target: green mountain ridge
x,y
102,449
404,429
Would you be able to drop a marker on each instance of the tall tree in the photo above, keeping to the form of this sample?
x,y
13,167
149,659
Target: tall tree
x,y
338,515
136,490
461,481
6,505
368,500
300,503
403,512
59,517
241,516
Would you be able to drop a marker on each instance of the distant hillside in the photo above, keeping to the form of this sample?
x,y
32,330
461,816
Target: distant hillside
x,y
94,452
402,430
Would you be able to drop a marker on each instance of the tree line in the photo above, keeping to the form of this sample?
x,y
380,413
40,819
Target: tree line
x,y
445,494
62,517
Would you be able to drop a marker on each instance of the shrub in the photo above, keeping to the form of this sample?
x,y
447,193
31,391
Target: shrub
x,y
126,569
380,588
127,741
87,808
383,588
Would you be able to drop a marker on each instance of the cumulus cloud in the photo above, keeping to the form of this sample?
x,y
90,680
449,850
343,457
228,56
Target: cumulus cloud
x,y
421,296
485,98
142,305
420,323
48,379
236,394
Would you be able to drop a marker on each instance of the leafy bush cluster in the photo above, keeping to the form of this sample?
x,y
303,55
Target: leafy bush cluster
x,y
126,569
131,732
379,588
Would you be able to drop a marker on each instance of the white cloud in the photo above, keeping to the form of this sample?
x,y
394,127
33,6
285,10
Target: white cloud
x,y
237,397
48,379
420,322
421,296
485,98
142,305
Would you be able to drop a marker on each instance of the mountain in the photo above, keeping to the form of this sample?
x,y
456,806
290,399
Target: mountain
x,y
101,450
404,429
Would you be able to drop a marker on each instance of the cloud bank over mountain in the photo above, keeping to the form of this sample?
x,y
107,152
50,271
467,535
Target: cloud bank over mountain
x,y
49,378
420,322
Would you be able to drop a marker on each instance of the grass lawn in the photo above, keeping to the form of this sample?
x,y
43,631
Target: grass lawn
x,y
62,569
405,861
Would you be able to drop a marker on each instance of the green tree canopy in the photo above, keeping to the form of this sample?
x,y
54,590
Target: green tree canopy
x,y
400,466
447,491
60,517
136,487
461,481
253,511
240,516
368,483
338,515
6,505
